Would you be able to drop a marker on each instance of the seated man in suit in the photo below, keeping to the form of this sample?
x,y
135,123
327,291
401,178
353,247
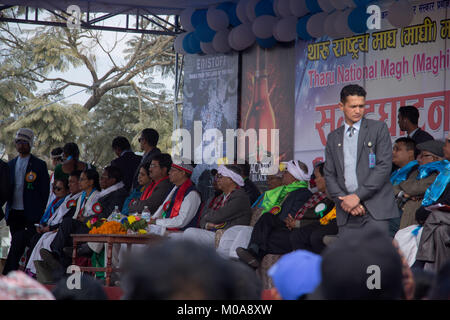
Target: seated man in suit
x,y
289,199
230,209
127,161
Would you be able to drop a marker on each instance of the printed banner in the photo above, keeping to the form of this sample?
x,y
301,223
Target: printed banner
x,y
397,67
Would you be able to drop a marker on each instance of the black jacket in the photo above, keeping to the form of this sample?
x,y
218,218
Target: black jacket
x,y
108,202
128,164
294,201
421,136
5,189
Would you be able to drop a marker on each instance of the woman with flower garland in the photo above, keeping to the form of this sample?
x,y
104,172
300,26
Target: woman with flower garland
x,y
35,263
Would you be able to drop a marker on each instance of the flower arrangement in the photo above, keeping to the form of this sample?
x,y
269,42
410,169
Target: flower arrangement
x,y
95,222
109,227
135,224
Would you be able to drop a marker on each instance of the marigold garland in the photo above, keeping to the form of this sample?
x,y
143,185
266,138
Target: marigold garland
x,y
110,227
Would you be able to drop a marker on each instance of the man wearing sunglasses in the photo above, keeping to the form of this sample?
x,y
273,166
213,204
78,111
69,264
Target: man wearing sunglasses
x,y
25,207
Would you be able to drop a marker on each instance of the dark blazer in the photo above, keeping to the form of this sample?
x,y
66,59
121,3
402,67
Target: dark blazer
x,y
155,200
294,201
236,211
252,190
374,188
128,164
421,136
35,197
5,188
108,202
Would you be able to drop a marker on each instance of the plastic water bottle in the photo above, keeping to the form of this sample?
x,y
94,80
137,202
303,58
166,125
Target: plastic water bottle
x,y
146,215
116,214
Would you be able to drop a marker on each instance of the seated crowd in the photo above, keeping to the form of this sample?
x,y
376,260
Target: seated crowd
x,y
294,219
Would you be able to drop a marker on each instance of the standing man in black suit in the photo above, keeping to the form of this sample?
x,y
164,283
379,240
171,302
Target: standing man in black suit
x,y
358,166
25,207
4,186
127,161
408,120
149,140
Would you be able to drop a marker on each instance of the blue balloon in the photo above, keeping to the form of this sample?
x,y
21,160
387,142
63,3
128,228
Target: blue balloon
x,y
232,16
360,3
266,43
264,8
204,33
357,20
198,17
301,28
313,6
191,44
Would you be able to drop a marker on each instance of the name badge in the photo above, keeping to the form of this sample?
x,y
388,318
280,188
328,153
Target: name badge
x,y
372,160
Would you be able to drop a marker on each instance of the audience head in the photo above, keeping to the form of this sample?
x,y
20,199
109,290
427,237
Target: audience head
x,y
120,144
89,179
229,177
90,289
181,171
295,275
71,150
160,166
440,289
74,182
403,151
61,187
143,175
19,286
149,139
319,177
200,275
110,176
363,264
352,104
430,151
57,156
24,141
295,171
447,148
423,280
408,118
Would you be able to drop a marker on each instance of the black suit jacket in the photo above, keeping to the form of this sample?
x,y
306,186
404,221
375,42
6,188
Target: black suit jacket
x,y
421,136
128,164
294,201
5,189
108,202
35,193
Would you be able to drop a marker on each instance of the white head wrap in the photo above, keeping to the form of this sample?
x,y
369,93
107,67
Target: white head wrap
x,y
224,171
294,169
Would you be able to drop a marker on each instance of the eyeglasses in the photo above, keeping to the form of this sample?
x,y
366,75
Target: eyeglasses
x,y
154,165
423,155
57,188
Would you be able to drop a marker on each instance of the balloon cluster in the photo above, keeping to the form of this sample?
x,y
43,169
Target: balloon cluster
x,y
238,25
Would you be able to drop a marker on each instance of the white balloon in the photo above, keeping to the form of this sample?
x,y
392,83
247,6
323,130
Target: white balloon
x,y
400,14
338,4
315,25
285,29
241,11
242,37
178,43
217,19
341,23
298,7
325,5
263,26
220,41
283,7
207,47
251,15
328,25
185,19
